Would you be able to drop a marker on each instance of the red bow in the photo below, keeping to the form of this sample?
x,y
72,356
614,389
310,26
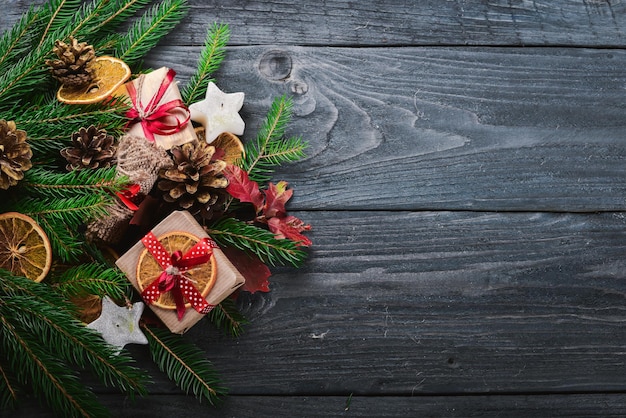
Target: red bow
x,y
172,279
155,118
128,193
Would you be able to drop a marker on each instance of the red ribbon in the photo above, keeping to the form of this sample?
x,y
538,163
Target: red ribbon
x,y
172,279
155,118
128,193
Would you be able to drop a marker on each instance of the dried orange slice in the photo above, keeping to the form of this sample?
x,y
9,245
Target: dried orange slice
x,y
148,269
230,145
109,74
24,247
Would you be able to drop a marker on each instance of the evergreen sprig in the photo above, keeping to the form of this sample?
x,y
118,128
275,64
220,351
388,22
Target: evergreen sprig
x,y
63,219
185,364
17,41
45,183
261,242
271,148
42,340
227,318
55,121
148,30
211,58
92,279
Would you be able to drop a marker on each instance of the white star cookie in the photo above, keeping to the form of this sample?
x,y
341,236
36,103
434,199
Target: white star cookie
x,y
119,325
218,113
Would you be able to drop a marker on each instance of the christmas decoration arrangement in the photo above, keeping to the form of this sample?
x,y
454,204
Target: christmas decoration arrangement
x,y
130,209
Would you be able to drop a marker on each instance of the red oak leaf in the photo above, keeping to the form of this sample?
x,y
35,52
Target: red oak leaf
x,y
241,187
276,196
290,227
253,270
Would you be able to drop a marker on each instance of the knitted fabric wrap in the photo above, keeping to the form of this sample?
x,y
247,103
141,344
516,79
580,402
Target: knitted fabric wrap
x,y
140,161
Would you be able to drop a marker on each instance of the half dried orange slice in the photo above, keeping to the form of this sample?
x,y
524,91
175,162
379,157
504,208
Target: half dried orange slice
x,y
24,247
230,145
109,74
148,269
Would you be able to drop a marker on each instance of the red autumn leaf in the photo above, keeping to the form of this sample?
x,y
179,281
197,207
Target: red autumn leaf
x,y
291,228
276,196
253,270
241,187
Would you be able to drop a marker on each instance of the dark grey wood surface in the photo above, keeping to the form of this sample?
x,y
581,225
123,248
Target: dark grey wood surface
x,y
466,185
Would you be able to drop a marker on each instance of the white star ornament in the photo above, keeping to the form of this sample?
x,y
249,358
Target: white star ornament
x,y
119,325
218,113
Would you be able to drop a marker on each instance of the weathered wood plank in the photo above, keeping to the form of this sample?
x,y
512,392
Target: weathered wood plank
x,y
439,302
601,405
441,128
397,22
405,304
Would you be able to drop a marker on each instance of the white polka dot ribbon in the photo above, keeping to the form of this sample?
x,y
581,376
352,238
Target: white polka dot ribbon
x,y
172,279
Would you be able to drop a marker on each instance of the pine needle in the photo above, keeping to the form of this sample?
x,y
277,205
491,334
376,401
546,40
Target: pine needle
x,y
144,34
271,148
209,62
92,279
261,242
227,318
185,364
45,316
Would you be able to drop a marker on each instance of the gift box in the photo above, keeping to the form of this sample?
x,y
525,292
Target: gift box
x,y
179,271
158,113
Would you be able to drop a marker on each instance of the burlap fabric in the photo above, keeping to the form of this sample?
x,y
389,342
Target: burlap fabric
x,y
139,161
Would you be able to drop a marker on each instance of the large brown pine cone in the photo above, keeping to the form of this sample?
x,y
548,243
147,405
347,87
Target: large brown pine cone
x,y
195,181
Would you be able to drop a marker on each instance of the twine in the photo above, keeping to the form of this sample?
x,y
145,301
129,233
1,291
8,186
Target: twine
x,y
140,161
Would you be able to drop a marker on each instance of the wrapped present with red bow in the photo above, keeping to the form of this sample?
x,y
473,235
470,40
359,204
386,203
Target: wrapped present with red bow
x,y
179,271
157,111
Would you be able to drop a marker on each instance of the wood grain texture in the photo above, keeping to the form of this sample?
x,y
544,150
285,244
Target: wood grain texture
x,y
441,128
375,407
439,302
453,272
399,23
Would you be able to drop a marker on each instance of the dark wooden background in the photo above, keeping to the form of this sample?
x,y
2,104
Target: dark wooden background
x,y
466,184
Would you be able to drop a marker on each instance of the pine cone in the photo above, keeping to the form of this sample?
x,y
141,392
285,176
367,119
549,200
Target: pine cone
x,y
73,68
195,181
92,148
15,154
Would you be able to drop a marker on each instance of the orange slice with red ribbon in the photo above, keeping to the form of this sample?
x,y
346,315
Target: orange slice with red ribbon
x,y
202,276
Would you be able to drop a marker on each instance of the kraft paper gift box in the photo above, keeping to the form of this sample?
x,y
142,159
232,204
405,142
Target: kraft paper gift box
x,y
227,279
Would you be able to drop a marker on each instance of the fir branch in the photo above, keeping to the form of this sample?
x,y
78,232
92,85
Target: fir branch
x,y
210,60
184,364
92,279
15,42
61,12
115,13
9,388
27,77
44,314
63,218
44,183
50,379
226,317
271,148
146,32
261,242
55,120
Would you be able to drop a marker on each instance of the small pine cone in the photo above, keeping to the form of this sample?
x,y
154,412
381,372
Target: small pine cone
x,y
15,154
91,148
74,67
195,181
